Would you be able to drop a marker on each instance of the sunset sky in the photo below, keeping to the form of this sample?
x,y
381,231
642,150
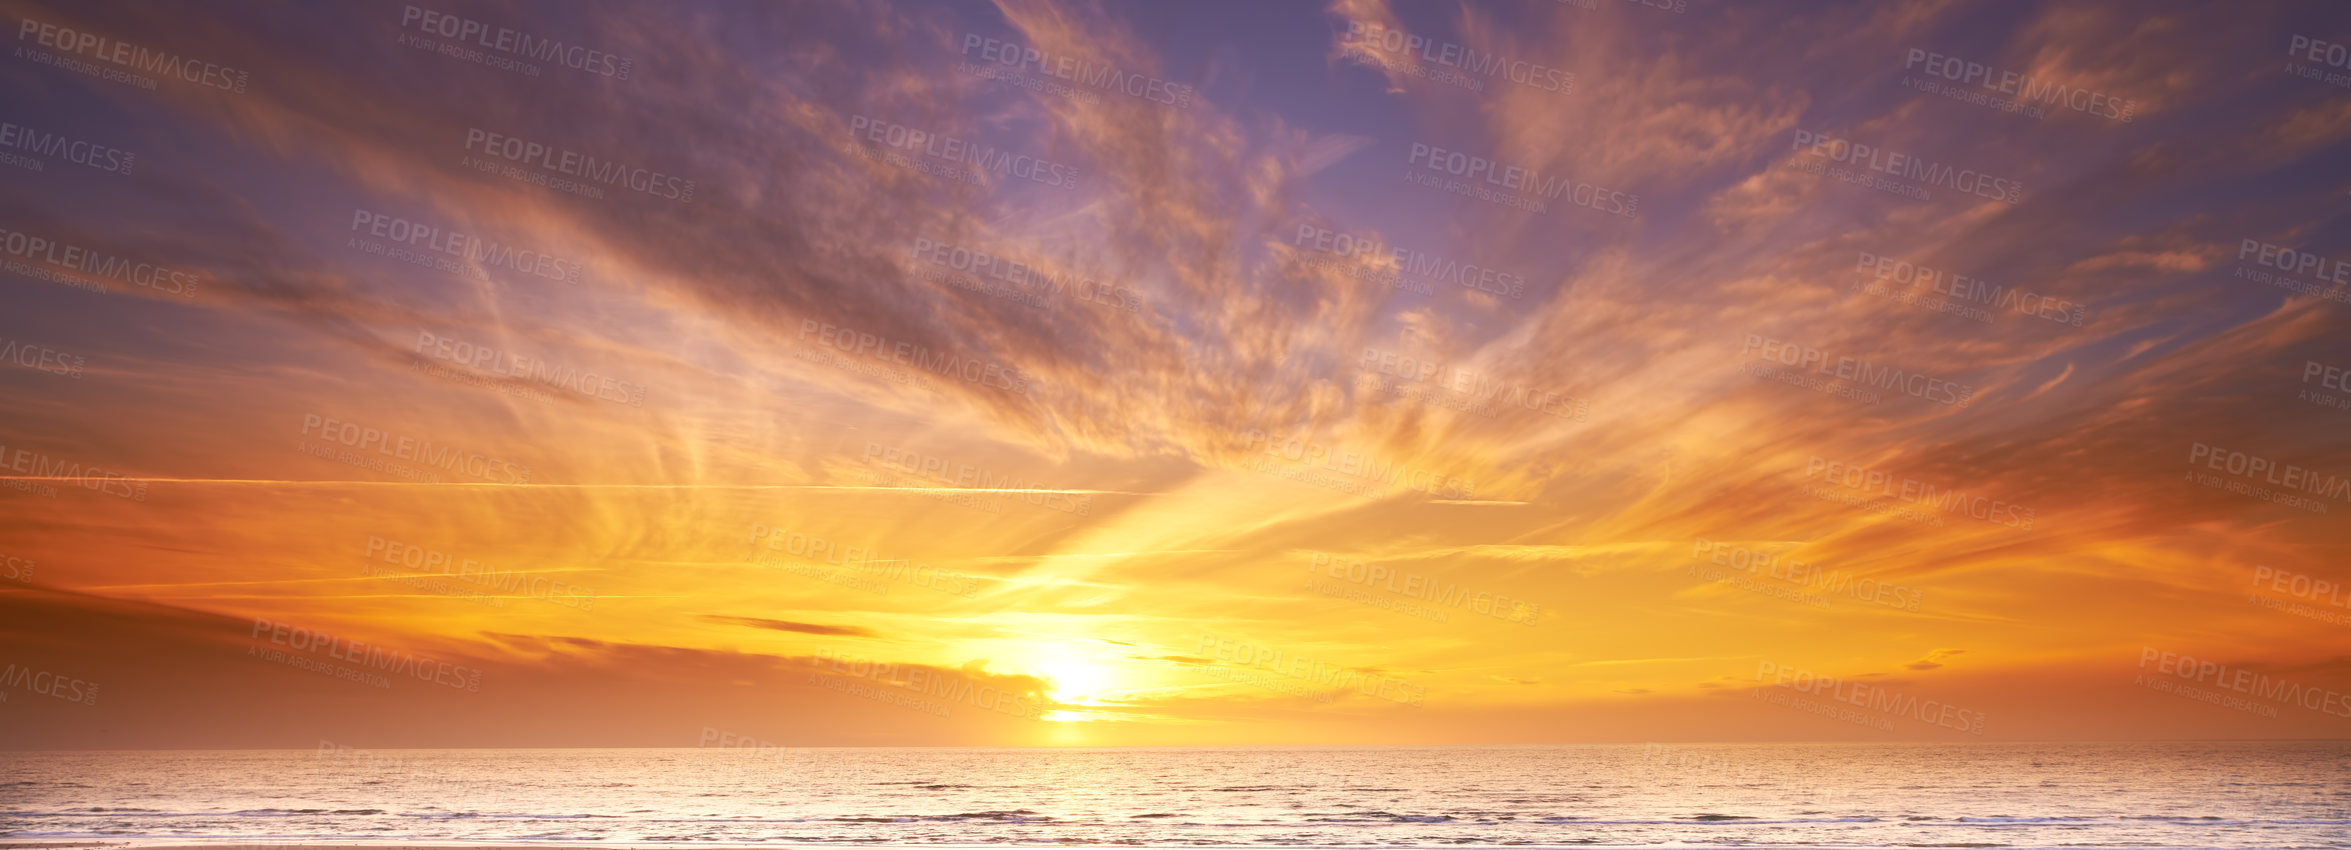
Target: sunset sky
x,y
1359,373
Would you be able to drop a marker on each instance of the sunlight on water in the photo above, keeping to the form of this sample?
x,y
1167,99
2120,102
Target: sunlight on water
x,y
2111,795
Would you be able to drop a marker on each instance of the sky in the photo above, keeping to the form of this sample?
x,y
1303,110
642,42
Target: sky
x,y
1074,373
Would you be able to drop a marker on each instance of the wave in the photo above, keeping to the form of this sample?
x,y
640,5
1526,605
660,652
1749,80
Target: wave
x,y
1379,817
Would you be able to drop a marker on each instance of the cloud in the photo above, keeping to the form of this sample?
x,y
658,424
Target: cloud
x,y
1176,659
1933,660
789,626
1151,406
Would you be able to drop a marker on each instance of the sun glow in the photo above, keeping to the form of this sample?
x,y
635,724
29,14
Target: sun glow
x,y
1073,680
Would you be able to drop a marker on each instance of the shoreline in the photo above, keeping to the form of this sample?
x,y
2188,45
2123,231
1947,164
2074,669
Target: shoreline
x,y
509,844
354,844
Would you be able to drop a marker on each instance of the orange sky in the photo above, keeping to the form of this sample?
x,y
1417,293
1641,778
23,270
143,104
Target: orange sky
x,y
1695,452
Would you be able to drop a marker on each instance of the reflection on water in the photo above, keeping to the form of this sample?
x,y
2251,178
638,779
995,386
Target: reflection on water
x,y
2103,795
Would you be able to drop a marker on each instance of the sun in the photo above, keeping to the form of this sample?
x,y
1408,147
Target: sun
x,y
1074,682
1072,679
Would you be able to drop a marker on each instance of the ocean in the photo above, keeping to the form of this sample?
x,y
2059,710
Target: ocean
x,y
2265,794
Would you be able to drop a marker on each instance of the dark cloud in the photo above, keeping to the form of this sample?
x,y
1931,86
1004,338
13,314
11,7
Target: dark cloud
x,y
789,626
